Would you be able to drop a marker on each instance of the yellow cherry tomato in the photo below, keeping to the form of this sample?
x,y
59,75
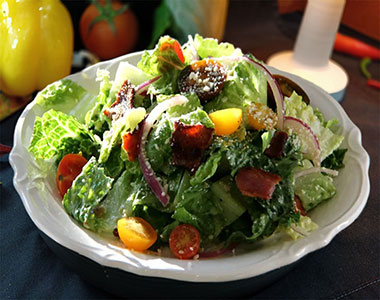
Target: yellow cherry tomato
x,y
37,41
136,233
226,121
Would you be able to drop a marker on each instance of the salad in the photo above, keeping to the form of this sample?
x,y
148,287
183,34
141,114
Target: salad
x,y
197,149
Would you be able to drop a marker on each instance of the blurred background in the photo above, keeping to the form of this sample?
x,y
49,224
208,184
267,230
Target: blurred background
x,y
105,29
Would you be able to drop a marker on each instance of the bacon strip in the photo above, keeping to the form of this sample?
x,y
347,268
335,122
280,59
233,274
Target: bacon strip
x,y
277,144
130,142
255,182
124,101
298,206
189,143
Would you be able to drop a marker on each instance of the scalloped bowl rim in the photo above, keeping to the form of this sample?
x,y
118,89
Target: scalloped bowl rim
x,y
265,258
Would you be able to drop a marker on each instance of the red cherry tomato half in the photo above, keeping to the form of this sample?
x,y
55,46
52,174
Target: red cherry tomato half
x,y
184,241
69,168
176,47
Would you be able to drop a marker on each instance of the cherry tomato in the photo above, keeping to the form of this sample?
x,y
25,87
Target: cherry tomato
x,y
68,169
114,34
136,233
184,241
176,47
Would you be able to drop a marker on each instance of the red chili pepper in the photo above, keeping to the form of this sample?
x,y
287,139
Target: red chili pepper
x,y
4,149
355,47
373,83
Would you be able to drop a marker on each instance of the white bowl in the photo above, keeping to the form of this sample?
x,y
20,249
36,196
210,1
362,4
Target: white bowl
x,y
333,216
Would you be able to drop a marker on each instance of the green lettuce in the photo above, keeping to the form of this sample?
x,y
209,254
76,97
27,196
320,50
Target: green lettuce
x,y
244,85
56,134
95,119
197,206
86,193
335,160
207,169
162,59
66,96
314,188
210,47
328,140
127,123
299,229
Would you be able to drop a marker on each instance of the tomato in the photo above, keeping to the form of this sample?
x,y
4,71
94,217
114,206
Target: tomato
x,y
69,168
108,29
176,47
136,233
184,241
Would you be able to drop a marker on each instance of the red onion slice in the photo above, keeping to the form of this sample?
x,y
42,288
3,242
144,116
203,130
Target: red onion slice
x,y
140,89
147,125
307,136
278,97
315,170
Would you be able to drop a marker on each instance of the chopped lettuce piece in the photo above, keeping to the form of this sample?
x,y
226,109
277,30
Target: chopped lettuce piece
x,y
328,140
198,207
207,169
314,188
300,229
232,207
95,118
116,204
158,147
56,134
192,104
61,95
127,123
86,193
210,47
245,84
266,137
335,160
198,116
166,84
162,59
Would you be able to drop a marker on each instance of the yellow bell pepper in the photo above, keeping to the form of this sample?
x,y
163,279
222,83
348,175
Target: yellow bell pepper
x,y
36,44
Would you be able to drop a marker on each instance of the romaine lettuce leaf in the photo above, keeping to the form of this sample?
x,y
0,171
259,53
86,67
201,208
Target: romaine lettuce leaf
x,y
328,140
63,95
127,123
162,59
86,193
314,188
116,204
158,147
232,207
207,169
56,134
166,84
335,160
95,119
191,105
210,47
198,207
297,230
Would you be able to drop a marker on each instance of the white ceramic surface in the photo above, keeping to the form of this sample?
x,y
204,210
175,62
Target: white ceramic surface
x,y
332,216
